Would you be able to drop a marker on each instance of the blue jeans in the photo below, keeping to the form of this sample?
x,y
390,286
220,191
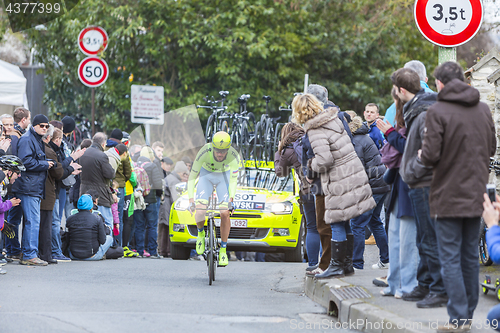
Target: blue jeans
x,y
13,246
146,219
56,230
429,268
494,318
61,203
340,230
371,219
312,236
403,254
121,203
100,253
31,210
108,216
457,240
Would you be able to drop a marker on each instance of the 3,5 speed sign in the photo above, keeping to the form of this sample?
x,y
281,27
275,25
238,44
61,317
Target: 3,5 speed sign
x,y
93,72
448,23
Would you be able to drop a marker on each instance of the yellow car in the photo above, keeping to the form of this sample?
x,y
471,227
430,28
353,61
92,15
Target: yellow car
x,y
267,216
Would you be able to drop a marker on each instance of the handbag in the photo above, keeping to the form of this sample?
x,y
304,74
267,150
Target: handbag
x,y
69,181
391,157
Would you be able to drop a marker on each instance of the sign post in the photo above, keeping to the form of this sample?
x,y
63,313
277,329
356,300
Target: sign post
x,y
448,23
147,107
93,71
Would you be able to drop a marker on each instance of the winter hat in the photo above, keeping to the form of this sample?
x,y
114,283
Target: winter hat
x,y
320,92
85,202
180,168
68,124
167,160
39,119
186,159
117,134
148,152
121,148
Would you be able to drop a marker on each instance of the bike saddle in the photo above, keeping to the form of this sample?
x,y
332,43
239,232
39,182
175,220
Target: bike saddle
x,y
267,98
223,93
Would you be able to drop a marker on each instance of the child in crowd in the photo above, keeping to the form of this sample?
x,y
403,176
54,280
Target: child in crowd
x,y
114,209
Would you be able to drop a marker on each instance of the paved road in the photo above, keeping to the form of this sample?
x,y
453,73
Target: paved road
x,y
151,295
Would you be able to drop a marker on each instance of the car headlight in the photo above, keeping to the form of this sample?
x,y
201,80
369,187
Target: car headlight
x,y
178,227
280,208
181,204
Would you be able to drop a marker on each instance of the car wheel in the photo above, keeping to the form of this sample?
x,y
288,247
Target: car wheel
x,y
179,252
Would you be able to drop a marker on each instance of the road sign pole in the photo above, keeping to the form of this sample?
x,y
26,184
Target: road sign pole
x,y
93,112
148,133
447,54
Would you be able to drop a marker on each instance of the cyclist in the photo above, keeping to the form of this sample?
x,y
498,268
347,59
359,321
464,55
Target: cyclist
x,y
217,164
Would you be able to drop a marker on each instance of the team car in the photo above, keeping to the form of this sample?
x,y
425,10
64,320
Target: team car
x,y
267,216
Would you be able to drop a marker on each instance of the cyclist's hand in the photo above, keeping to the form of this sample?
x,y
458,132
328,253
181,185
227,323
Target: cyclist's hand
x,y
192,208
8,230
230,208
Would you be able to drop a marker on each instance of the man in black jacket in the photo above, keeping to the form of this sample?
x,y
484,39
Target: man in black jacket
x,y
97,174
430,291
148,218
87,237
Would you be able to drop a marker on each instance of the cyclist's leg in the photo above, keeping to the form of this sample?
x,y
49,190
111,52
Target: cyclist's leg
x,y
203,192
223,196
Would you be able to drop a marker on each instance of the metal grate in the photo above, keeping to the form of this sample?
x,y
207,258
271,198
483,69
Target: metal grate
x,y
236,233
350,292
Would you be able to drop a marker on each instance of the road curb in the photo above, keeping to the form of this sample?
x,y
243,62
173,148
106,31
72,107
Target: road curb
x,y
341,301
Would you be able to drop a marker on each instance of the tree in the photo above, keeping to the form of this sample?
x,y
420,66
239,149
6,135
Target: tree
x,y
260,47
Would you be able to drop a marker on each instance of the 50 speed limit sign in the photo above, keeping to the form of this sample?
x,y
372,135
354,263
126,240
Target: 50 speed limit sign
x,y
93,72
448,23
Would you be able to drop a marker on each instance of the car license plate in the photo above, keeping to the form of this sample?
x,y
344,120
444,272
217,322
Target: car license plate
x,y
234,223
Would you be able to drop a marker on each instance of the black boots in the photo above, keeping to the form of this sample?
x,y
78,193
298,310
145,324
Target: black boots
x,y
336,267
348,269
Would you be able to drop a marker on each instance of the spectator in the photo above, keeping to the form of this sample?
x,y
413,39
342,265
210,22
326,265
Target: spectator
x,y
47,203
57,124
458,143
158,150
430,291
128,206
166,165
69,166
491,216
402,232
284,159
371,115
324,230
418,67
148,218
30,187
188,161
22,119
87,235
135,152
69,126
8,124
370,158
332,146
97,174
180,174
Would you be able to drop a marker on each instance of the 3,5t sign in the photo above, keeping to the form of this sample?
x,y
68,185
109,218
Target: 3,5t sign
x,y
93,72
448,23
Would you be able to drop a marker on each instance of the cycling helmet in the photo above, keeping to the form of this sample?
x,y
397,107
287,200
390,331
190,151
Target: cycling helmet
x,y
12,163
221,140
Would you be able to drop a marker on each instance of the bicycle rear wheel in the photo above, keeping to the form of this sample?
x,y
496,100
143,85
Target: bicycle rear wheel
x,y
210,128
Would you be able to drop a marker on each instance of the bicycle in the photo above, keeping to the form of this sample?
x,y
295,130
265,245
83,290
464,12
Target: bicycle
x,y
214,123
212,248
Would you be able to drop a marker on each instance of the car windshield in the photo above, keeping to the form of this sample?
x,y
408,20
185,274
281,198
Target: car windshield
x,y
265,179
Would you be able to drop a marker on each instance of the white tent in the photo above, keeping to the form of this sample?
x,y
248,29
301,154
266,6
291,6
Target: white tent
x,y
12,85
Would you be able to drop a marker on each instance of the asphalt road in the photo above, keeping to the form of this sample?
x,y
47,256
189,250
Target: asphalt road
x,y
158,295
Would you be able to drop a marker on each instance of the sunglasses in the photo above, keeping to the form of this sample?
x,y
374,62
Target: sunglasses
x,y
44,126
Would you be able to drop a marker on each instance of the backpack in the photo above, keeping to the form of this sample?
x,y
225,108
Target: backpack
x,y
142,179
297,147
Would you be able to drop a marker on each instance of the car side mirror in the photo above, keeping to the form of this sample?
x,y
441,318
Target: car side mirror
x,y
181,187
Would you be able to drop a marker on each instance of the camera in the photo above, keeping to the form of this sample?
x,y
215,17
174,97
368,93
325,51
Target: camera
x,y
492,192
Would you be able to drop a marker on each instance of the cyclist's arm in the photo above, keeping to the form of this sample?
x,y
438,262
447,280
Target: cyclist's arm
x,y
234,166
195,170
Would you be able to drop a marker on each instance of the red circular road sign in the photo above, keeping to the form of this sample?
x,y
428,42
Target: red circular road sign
x,y
92,40
93,72
448,23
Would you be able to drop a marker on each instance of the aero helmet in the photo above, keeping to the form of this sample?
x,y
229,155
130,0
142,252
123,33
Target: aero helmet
x,y
221,140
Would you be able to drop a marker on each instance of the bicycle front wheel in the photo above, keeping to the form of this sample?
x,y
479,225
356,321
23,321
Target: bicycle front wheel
x,y
211,252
